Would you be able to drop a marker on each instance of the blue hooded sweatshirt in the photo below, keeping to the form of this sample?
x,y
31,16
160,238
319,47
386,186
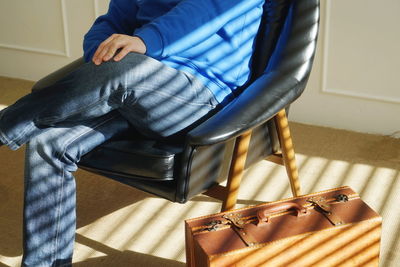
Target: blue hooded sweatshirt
x,y
211,39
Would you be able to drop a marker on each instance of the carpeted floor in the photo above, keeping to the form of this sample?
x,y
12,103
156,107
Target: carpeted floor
x,y
121,226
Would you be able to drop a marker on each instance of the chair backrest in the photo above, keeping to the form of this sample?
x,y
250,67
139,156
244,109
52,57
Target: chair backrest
x,y
274,15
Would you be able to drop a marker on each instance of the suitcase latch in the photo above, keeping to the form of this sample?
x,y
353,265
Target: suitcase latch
x,y
325,208
235,219
213,225
238,225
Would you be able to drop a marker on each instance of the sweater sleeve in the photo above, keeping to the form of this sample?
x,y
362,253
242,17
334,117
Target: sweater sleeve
x,y
120,18
189,23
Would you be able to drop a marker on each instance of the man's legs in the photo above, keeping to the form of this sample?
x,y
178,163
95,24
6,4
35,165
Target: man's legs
x,y
65,121
148,93
49,202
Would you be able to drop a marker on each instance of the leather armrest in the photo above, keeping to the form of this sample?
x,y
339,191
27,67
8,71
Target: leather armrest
x,y
257,104
57,75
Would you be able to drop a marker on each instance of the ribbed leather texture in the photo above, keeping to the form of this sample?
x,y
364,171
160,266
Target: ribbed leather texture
x,y
272,22
140,158
280,69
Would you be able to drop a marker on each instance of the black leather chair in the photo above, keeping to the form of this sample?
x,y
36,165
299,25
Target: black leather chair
x,y
255,121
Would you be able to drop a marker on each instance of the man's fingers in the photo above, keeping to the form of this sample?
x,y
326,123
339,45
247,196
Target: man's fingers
x,y
109,48
105,54
112,49
97,59
122,53
132,44
100,56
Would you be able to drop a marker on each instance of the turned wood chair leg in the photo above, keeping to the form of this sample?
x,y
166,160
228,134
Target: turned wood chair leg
x,y
236,171
228,194
288,154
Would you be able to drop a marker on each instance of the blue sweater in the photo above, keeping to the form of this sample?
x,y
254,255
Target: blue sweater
x,y
211,39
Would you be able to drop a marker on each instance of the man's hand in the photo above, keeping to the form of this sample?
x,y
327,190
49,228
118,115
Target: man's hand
x,y
115,42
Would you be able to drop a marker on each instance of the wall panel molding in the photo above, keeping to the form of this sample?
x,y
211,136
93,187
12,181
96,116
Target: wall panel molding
x,y
325,69
100,7
65,52
96,8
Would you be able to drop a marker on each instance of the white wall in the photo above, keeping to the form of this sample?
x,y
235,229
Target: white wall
x,y
353,84
39,36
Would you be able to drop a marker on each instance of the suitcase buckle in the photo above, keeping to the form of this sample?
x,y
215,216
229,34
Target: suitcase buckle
x,y
325,208
321,203
235,219
239,227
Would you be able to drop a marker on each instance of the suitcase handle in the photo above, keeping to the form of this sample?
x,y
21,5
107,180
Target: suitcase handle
x,y
264,215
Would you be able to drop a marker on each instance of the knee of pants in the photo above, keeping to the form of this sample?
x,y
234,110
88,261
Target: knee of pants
x,y
53,151
134,67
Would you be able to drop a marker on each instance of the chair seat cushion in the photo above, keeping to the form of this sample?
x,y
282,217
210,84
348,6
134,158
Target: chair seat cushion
x,y
136,159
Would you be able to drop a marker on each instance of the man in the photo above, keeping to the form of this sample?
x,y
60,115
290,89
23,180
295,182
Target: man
x,y
155,65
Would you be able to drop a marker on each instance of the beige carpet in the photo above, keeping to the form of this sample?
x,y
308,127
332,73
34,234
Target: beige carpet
x,y
121,226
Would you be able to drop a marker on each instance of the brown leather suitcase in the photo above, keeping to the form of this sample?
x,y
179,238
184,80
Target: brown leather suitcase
x,y
329,228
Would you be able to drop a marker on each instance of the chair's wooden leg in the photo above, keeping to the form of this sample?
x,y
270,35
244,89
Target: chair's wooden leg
x,y
236,171
288,155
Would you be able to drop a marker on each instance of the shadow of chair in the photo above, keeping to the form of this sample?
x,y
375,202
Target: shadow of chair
x,y
118,258
251,128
